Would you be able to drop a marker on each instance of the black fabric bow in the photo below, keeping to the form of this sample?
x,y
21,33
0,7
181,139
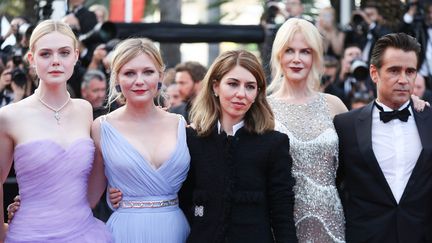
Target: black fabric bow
x,y
387,116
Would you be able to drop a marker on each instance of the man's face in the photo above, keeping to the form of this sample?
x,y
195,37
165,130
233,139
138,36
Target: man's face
x,y
350,54
372,13
294,7
395,79
185,84
95,93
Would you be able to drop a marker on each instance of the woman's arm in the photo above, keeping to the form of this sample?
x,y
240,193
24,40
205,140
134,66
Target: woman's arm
x,y
97,179
6,157
280,191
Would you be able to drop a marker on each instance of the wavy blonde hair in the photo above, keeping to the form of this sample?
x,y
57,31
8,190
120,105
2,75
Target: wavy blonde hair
x,y
125,51
206,109
284,36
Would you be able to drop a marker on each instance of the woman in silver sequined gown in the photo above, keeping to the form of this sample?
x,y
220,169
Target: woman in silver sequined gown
x,y
307,117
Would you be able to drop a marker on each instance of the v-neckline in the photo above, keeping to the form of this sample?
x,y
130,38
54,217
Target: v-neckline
x,y
147,162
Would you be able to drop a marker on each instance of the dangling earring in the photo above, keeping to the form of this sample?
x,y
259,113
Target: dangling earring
x,y
159,85
118,88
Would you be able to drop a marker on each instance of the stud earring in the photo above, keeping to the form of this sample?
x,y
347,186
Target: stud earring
x,y
216,95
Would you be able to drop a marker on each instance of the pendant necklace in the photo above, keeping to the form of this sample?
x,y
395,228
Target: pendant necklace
x,y
56,111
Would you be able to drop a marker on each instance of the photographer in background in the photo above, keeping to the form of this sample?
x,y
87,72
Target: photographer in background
x,y
328,85
6,94
417,22
365,28
333,37
353,75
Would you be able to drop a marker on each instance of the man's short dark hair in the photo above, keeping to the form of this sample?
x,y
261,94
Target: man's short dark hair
x,y
90,75
195,69
395,40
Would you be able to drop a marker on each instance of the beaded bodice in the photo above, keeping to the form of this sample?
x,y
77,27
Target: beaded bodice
x,y
314,148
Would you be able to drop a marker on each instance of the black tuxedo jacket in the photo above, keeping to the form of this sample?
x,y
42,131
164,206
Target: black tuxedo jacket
x,y
372,214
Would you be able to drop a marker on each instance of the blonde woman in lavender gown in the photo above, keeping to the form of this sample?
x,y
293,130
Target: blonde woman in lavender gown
x,y
47,135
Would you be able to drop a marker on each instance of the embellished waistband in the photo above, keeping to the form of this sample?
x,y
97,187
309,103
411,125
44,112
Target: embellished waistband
x,y
148,204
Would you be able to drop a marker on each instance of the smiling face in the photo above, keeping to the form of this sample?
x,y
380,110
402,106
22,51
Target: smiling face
x,y
395,79
237,91
297,59
138,79
54,57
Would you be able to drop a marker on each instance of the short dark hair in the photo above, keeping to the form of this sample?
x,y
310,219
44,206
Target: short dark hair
x,y
195,69
395,40
90,75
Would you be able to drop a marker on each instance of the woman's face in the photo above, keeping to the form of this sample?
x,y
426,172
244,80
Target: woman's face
x,y
297,59
138,79
54,57
237,91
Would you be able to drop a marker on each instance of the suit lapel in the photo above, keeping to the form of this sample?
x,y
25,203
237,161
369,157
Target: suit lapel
x,y
363,128
423,123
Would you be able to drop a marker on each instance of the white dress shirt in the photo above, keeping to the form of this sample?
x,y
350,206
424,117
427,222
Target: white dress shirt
x,y
397,146
235,128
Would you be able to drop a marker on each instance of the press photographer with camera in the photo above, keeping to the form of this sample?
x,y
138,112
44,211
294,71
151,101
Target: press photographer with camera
x,y
417,21
22,84
353,75
365,29
6,94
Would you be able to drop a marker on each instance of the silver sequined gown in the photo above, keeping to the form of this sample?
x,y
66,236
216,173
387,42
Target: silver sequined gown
x,y
318,213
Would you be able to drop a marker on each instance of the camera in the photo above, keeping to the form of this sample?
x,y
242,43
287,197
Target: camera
x,y
17,56
419,15
358,24
359,69
325,79
19,77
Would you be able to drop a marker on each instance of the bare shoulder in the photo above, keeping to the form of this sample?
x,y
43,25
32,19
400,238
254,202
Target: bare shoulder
x,y
12,112
83,108
95,129
82,104
172,119
336,106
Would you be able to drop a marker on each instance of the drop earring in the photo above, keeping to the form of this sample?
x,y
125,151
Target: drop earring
x,y
118,88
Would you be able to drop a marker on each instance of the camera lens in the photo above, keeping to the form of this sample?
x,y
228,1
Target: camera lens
x,y
19,77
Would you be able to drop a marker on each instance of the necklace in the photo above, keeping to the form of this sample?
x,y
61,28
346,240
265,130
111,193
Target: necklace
x,y
56,111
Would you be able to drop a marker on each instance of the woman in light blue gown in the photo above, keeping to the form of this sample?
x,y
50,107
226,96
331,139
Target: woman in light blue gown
x,y
142,150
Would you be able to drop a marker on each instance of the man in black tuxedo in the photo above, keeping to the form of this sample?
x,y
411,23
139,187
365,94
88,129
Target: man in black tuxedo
x,y
386,157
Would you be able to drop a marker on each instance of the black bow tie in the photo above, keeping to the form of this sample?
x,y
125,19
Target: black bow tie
x,y
387,116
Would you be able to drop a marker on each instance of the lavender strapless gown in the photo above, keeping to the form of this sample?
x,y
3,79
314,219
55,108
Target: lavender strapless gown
x,y
52,184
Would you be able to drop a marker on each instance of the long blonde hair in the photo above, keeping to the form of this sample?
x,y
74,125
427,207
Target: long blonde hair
x,y
284,36
206,108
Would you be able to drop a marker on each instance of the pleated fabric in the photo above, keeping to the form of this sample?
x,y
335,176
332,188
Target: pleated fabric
x,y
52,183
127,170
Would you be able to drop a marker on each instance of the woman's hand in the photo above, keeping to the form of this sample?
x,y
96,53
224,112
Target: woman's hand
x,y
115,196
419,104
13,208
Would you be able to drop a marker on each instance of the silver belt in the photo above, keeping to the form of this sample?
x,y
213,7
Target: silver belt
x,y
148,204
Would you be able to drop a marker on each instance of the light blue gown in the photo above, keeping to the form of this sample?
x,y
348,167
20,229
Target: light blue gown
x,y
127,170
